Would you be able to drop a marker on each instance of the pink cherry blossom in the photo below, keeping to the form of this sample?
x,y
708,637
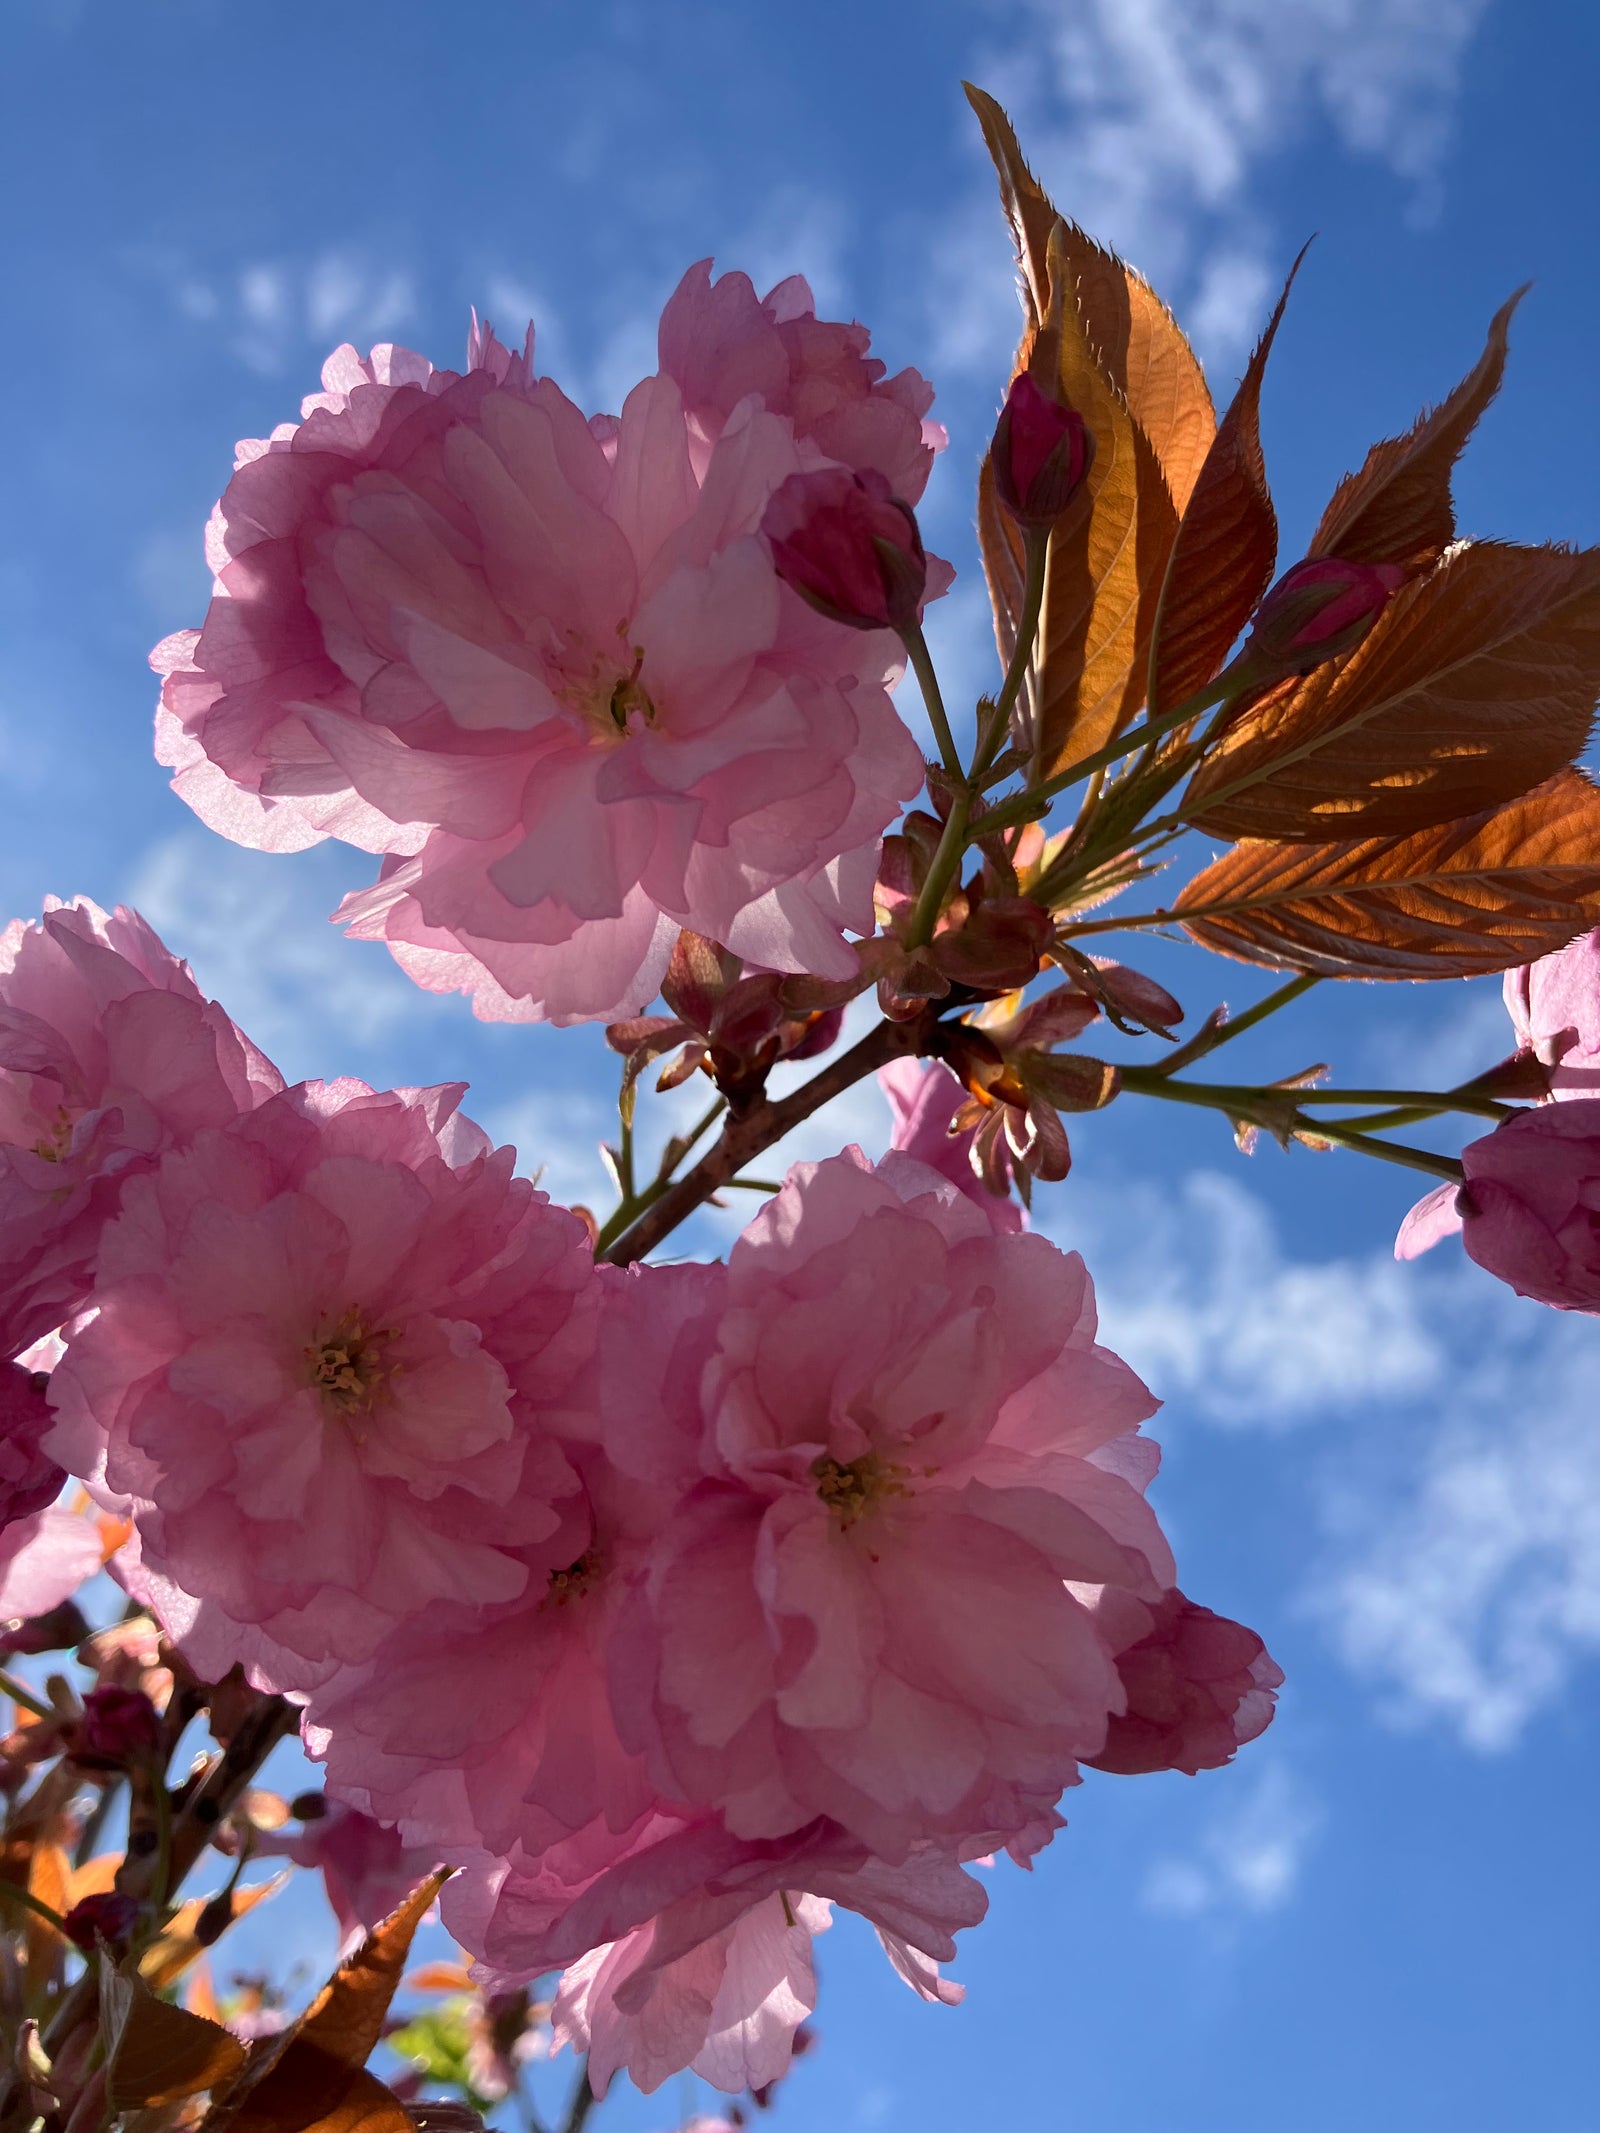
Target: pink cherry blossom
x,y
726,2010
109,1056
721,344
29,1479
910,1440
44,1558
329,1336
924,1099
1529,1209
545,667
521,1745
1554,1005
366,1868
1198,1686
689,1879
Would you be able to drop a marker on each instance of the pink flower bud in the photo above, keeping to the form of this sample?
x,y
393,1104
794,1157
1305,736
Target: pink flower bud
x,y
1198,1686
109,1917
1529,1210
1318,608
1040,454
849,547
117,1725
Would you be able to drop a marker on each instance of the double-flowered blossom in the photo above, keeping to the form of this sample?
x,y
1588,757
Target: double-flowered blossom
x,y
327,1337
908,1439
863,1571
1528,1210
726,2010
679,1952
1554,1006
109,1056
544,664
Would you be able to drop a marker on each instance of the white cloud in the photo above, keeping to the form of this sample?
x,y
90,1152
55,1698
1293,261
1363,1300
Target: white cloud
x,y
270,312
1151,122
1197,1292
1249,1857
1461,1495
1468,1596
798,231
257,935
1420,1047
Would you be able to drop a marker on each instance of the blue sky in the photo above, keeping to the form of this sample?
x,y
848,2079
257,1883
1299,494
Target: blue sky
x,y
1384,1914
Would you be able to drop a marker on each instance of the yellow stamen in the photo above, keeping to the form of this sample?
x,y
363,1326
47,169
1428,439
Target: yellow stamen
x,y
346,1364
850,1489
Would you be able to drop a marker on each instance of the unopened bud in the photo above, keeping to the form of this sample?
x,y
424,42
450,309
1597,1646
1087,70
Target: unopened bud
x,y
110,1916
1040,454
1320,607
849,547
60,1630
117,1725
215,1918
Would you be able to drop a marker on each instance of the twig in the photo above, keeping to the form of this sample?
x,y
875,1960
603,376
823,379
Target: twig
x,y
581,2105
23,1697
743,1139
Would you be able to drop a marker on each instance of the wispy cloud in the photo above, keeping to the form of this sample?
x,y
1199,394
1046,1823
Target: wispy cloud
x,y
1468,1593
1199,1292
1153,123
269,312
1248,1858
1460,1497
257,935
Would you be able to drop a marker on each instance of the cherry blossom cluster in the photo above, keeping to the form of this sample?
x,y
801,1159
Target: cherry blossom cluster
x,y
675,1606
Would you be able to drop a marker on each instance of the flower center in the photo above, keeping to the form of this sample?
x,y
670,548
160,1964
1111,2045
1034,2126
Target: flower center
x,y
346,1364
577,1579
56,1139
851,1489
591,684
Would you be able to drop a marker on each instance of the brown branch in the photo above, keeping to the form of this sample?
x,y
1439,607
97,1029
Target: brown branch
x,y
743,1139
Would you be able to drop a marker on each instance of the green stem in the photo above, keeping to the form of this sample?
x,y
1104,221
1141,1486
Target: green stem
x,y
1025,806
1038,555
928,681
1224,1033
625,1156
1239,1096
1427,1102
634,1204
19,1695
753,1185
1239,1103
1409,1158
946,865
32,1903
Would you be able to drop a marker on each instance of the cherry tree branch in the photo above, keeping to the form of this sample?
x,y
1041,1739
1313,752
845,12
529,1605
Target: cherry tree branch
x,y
743,1139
